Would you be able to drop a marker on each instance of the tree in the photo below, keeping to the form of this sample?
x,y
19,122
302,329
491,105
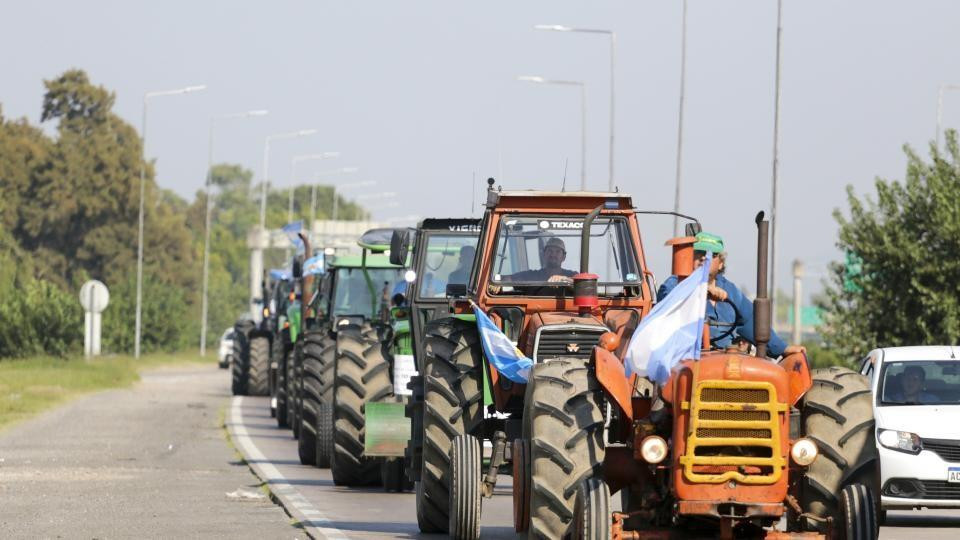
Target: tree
x,y
906,290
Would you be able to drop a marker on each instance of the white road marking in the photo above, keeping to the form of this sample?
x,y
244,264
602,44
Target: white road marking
x,y
270,474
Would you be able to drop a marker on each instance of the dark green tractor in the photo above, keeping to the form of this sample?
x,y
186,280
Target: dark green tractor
x,y
253,341
442,255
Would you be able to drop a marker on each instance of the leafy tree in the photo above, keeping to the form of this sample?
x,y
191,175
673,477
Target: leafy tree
x,y
905,240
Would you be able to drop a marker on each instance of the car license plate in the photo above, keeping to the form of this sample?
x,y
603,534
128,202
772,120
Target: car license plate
x,y
953,475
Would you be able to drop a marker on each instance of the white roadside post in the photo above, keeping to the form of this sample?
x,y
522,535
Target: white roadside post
x,y
94,298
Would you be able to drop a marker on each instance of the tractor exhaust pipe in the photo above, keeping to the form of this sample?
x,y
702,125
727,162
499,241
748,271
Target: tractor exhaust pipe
x,y
585,283
306,281
761,305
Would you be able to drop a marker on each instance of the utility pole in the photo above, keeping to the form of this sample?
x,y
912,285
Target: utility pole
x,y
774,218
797,335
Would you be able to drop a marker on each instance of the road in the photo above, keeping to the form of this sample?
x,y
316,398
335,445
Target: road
x,y
153,461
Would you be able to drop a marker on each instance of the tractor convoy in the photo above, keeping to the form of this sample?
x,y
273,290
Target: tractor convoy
x,y
440,358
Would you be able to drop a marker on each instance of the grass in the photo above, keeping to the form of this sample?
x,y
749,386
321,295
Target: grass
x,y
32,385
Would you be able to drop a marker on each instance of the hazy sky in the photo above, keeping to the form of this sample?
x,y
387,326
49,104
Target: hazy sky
x,y
420,95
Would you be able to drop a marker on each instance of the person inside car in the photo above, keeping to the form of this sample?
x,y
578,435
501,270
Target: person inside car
x,y
911,387
721,293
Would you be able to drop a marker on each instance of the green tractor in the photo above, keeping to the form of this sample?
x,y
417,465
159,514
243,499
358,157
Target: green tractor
x,y
341,363
285,312
442,255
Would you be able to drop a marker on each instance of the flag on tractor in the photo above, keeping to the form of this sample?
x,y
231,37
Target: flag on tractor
x,y
293,229
673,331
501,352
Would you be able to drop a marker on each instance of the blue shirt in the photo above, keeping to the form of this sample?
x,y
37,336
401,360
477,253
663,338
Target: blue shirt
x,y
723,312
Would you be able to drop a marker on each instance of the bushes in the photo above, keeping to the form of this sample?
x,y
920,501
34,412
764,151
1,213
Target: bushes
x,y
38,318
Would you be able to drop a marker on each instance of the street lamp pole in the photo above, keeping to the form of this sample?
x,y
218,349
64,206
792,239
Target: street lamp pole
x,y
774,219
260,243
583,118
613,55
683,82
143,180
943,88
206,230
341,170
313,189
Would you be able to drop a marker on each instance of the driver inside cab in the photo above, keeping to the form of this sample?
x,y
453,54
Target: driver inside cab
x,y
720,294
552,257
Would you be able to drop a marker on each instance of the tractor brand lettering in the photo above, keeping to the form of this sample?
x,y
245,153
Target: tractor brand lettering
x,y
463,228
572,347
544,224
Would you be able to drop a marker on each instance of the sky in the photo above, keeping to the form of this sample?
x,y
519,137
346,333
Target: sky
x,y
422,97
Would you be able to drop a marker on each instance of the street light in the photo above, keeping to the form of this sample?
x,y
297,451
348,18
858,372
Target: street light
x,y
943,88
683,83
774,218
206,232
313,190
613,54
583,118
143,174
341,170
256,254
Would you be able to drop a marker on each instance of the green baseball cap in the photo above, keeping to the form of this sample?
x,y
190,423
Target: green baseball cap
x,y
708,242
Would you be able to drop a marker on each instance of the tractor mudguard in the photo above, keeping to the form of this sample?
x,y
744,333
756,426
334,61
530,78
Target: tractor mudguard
x,y
613,379
801,380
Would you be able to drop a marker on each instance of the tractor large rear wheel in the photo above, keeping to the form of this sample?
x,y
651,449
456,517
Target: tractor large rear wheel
x,y
313,345
452,405
837,413
362,374
296,387
328,362
259,383
566,442
240,370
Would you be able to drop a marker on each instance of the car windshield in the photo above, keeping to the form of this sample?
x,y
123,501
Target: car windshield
x,y
352,295
447,261
920,383
545,251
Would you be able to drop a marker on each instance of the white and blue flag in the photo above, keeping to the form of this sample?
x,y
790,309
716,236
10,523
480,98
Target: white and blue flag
x,y
501,352
292,229
673,331
313,266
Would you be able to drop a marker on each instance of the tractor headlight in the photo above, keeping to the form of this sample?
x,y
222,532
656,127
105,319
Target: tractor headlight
x,y
901,441
653,449
804,452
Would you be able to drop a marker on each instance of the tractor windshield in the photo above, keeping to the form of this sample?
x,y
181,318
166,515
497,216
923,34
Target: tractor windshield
x,y
545,252
352,294
448,260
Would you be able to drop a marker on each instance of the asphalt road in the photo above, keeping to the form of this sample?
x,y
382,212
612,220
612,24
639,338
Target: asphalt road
x,y
152,461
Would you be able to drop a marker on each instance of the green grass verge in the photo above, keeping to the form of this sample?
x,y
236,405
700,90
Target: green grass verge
x,y
29,386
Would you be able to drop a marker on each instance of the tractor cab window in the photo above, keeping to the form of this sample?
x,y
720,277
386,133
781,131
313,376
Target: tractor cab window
x,y
448,260
353,290
920,383
539,254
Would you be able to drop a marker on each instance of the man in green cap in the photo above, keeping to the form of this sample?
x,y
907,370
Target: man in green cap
x,y
721,294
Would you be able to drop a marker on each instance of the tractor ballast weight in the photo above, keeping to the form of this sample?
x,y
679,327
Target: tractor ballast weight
x,y
714,447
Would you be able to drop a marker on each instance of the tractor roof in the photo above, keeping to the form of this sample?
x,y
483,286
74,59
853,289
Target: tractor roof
x,y
451,224
376,239
535,200
374,260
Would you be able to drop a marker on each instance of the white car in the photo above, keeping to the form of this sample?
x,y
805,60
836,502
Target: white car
x,y
917,411
225,352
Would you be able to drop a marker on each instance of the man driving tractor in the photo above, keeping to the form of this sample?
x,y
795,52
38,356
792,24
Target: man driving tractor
x,y
552,257
726,301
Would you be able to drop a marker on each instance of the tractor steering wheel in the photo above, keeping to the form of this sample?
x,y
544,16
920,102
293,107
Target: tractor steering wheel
x,y
729,328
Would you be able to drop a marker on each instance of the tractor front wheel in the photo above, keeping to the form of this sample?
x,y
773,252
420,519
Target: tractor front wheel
x,y
313,345
837,414
566,443
466,462
259,383
591,512
283,420
859,511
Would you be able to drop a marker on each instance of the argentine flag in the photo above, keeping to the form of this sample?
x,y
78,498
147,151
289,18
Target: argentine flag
x,y
673,330
292,229
313,266
501,352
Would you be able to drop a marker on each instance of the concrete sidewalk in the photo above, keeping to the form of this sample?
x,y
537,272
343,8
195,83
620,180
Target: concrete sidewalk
x,y
147,462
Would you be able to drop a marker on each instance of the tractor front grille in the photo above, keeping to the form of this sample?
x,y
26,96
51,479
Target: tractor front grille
x,y
565,341
734,433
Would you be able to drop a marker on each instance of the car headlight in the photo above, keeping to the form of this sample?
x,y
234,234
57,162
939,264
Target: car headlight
x,y
901,441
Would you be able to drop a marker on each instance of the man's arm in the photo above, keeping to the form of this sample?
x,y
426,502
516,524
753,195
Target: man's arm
x,y
666,287
776,346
